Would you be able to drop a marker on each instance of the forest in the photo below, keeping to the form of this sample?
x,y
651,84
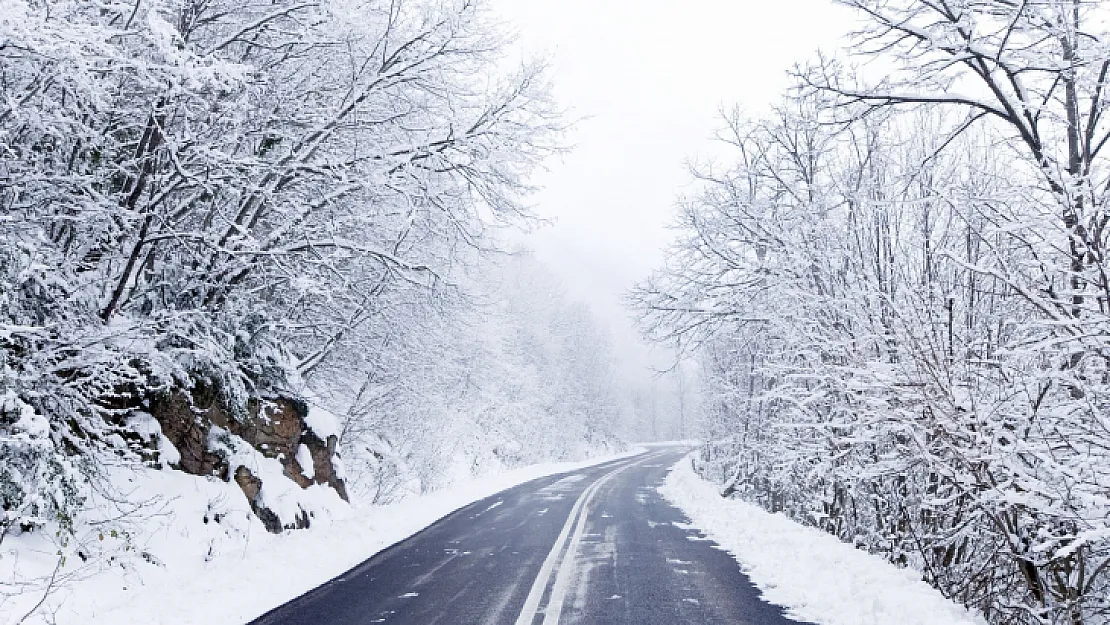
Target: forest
x,y
896,285
238,234
269,245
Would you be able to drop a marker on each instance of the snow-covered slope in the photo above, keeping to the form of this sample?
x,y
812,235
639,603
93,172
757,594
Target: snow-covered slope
x,y
815,576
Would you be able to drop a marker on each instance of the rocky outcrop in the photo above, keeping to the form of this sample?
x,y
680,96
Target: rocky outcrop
x,y
275,427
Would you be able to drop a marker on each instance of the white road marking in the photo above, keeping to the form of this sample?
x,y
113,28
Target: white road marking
x,y
532,603
577,520
554,605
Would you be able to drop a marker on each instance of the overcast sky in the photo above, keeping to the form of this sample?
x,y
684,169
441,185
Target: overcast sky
x,y
650,76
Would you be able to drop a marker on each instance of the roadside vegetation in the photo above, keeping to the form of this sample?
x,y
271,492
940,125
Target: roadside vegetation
x,y
897,287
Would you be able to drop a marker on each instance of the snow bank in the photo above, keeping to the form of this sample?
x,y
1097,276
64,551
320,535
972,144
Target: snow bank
x,y
809,572
195,569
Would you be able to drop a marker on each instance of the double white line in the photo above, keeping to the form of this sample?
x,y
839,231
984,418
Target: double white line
x,y
563,559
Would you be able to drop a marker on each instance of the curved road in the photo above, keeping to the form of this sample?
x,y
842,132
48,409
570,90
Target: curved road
x,y
595,546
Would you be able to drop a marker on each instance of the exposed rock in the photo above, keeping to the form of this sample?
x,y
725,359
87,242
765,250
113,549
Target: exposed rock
x,y
251,485
323,467
274,426
252,488
187,426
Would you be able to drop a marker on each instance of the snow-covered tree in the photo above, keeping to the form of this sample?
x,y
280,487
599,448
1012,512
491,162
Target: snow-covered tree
x,y
221,194
895,293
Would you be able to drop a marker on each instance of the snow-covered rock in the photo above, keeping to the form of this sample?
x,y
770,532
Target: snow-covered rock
x,y
277,458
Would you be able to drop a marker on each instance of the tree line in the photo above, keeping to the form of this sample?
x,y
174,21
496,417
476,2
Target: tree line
x,y
273,198
896,286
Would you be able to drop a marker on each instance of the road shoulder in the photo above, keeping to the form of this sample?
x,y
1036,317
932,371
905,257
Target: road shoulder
x,y
813,575
274,569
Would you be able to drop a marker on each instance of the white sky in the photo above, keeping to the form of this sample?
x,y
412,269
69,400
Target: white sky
x,y
650,77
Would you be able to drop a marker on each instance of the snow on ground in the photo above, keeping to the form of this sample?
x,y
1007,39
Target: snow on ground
x,y
815,576
185,566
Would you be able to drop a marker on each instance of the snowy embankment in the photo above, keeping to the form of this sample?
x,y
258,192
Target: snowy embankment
x,y
182,579
816,577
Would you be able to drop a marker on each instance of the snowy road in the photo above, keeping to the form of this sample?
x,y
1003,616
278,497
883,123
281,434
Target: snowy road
x,y
595,546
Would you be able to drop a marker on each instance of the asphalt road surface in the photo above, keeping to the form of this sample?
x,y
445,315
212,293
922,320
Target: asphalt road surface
x,y
595,546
